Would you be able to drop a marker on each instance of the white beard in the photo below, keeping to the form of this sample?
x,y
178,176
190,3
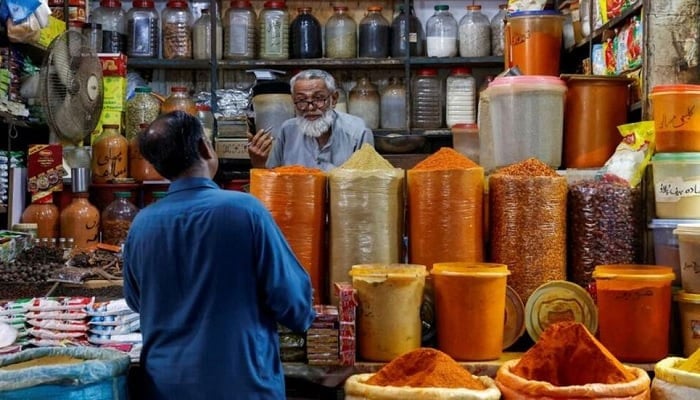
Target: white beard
x,y
316,128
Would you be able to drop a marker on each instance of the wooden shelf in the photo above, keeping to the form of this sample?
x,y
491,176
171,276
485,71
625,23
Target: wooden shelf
x,y
598,33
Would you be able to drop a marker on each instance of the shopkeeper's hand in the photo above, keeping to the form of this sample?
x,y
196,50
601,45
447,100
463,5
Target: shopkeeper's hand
x,y
259,146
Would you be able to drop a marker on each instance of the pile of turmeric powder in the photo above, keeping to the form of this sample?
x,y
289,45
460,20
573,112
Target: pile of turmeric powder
x,y
423,368
297,169
692,363
566,354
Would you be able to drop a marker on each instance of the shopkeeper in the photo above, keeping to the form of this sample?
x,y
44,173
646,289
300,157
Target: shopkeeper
x,y
319,136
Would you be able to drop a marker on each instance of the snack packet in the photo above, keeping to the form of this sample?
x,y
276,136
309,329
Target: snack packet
x,y
631,156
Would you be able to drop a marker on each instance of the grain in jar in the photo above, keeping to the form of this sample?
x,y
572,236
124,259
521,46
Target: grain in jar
x,y
274,31
426,106
341,34
460,98
143,108
179,100
142,34
498,24
374,34
202,37
177,30
240,31
116,219
474,33
441,32
527,220
305,35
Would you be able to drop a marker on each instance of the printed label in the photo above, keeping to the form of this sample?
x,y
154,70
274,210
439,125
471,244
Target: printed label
x,y
695,328
672,189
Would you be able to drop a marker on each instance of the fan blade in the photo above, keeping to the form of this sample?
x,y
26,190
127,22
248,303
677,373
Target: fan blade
x,y
61,52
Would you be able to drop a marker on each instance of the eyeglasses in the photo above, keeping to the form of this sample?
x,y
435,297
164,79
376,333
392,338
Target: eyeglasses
x,y
318,102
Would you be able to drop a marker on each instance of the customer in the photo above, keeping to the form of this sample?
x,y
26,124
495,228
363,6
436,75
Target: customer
x,y
319,136
211,275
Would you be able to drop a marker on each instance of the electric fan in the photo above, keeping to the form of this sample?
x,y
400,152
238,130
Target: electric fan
x,y
71,95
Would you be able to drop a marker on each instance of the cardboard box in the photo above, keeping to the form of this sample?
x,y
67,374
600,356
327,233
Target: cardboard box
x,y
114,89
44,170
113,64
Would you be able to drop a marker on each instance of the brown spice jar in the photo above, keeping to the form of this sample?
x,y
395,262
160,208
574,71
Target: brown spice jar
x,y
80,220
139,168
45,216
110,159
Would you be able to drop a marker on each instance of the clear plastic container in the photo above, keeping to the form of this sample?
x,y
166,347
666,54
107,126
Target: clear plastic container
x,y
305,35
110,155
407,34
240,28
393,105
143,108
676,181
179,99
689,255
177,30
465,139
374,34
274,31
677,126
93,36
116,219
113,20
341,34
533,42
460,98
426,99
666,244
202,37
474,33
441,31
498,24
142,33
364,102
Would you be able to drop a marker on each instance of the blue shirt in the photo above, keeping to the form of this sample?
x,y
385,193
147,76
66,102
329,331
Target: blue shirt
x,y
212,275
293,147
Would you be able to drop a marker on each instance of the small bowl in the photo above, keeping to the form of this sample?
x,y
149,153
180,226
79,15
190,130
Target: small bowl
x,y
398,143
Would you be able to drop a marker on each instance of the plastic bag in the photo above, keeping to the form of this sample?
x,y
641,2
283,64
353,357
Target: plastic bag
x,y
356,389
674,384
631,156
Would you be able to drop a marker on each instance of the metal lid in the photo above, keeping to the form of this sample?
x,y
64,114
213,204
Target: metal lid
x,y
558,301
514,326
80,179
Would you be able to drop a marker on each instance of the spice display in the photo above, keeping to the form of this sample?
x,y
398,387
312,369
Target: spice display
x,y
373,37
274,31
561,353
533,42
498,23
445,209
364,102
110,155
177,30
142,39
35,264
202,37
527,212
58,360
474,33
305,35
116,219
240,26
143,108
341,34
45,215
425,367
426,99
605,227
393,105
441,32
691,364
80,220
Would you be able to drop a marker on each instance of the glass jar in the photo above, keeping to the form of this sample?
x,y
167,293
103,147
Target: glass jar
x,y
341,34
201,37
274,31
92,33
460,107
406,34
110,155
116,219
112,18
80,221
393,105
177,30
363,102
139,168
142,33
240,31
143,108
474,33
206,117
179,99
44,214
305,35
374,34
441,33
426,96
498,24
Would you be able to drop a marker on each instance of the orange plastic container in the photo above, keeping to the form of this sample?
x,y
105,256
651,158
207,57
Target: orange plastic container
x,y
676,120
533,42
470,303
634,306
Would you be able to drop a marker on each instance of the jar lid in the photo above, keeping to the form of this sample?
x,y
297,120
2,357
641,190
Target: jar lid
x,y
474,269
241,4
667,223
536,13
687,229
441,7
558,301
340,8
178,89
683,157
637,272
427,72
382,272
685,297
25,226
658,89
606,79
203,107
111,3
304,9
143,89
514,325
76,24
274,4
143,4
159,194
374,8
461,71
122,195
510,81
474,7
176,4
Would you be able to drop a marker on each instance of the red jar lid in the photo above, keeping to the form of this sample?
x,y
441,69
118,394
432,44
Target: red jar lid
x,y
143,4
274,4
304,10
474,7
111,3
178,89
340,8
675,88
427,72
176,4
241,4
374,8
461,71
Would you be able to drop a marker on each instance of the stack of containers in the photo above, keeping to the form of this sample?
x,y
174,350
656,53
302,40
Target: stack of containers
x,y
58,321
14,313
113,324
676,170
322,337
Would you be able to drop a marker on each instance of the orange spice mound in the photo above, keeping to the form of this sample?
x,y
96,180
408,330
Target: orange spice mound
x,y
297,169
566,354
445,158
529,167
424,368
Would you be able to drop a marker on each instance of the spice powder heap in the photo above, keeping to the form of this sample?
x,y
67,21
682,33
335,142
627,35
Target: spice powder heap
x,y
366,158
692,364
529,167
297,169
566,354
423,368
445,158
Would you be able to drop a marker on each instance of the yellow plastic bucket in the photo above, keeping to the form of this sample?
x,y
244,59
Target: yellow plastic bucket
x,y
689,305
388,320
470,301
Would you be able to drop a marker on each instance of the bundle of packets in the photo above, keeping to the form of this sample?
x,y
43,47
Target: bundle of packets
x,y
8,160
14,313
58,321
113,324
347,311
292,345
322,337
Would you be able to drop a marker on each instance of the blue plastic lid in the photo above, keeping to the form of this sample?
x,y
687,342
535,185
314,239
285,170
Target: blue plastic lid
x,y
535,13
670,223
676,157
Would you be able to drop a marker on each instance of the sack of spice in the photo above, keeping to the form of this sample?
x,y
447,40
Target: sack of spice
x,y
421,374
568,362
677,378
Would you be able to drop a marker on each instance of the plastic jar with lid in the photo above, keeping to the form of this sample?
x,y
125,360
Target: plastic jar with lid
x,y
474,33
117,217
341,34
179,99
460,97
393,105
363,102
426,97
112,18
498,24
110,155
143,108
305,35
441,33
44,214
142,37
406,34
177,30
139,168
80,220
374,34
274,31
202,37
93,36
240,27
